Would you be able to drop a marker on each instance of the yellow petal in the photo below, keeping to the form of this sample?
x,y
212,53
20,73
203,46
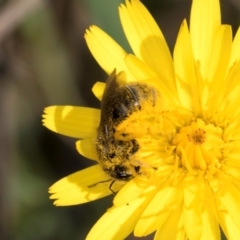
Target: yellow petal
x,y
227,216
98,89
118,222
174,221
184,64
157,210
227,198
232,81
192,207
220,55
235,53
233,169
106,51
210,225
230,229
200,201
138,68
204,23
131,191
146,39
86,147
77,122
78,188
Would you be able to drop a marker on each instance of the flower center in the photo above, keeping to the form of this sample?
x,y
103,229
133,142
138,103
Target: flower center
x,y
197,137
176,140
199,147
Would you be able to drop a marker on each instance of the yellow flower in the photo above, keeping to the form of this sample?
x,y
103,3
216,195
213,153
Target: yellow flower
x,y
193,189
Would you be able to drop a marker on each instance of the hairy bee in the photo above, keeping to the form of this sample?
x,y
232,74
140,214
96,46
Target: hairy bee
x,y
119,102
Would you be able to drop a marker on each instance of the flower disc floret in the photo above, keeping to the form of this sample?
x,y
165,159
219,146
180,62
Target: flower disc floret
x,y
199,146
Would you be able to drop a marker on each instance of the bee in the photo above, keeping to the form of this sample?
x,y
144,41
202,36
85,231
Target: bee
x,y
117,155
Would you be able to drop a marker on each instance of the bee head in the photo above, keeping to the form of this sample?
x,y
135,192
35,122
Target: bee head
x,y
119,172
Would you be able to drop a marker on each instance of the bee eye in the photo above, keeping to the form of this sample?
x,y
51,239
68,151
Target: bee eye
x,y
122,173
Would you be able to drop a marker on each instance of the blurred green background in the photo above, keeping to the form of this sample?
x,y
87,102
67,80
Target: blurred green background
x,y
44,61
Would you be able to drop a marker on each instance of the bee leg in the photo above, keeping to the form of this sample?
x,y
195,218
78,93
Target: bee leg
x,y
95,184
110,187
137,169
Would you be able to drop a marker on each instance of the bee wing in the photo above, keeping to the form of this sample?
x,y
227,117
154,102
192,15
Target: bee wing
x,y
111,107
111,86
113,82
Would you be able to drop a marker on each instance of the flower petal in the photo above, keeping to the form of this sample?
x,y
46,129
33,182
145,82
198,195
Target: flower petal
x,y
118,222
192,206
220,55
210,225
230,229
227,216
130,191
86,148
218,66
204,23
138,68
157,210
227,199
106,51
199,201
78,188
76,122
174,221
232,82
235,53
98,89
184,65
146,39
